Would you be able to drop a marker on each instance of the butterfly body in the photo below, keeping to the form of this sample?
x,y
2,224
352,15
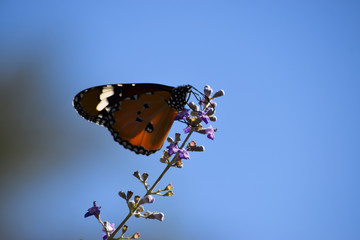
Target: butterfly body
x,y
139,116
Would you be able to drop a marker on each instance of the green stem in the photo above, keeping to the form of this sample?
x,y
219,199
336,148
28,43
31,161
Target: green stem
x,y
169,164
120,226
151,189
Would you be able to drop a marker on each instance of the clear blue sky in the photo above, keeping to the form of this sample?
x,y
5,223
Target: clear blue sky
x,y
285,162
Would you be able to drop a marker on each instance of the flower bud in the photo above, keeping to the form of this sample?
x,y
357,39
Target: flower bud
x,y
219,94
164,160
213,104
193,106
208,91
124,229
147,199
129,195
145,176
196,122
177,137
140,209
137,175
168,194
193,113
131,205
199,148
169,187
122,194
213,118
154,215
210,112
179,164
135,236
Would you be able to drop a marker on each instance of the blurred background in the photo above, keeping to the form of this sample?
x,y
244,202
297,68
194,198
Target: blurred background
x,y
286,157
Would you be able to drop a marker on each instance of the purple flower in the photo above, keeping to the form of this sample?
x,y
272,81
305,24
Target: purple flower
x,y
203,116
187,129
173,148
183,114
147,199
154,215
210,132
95,210
110,228
184,154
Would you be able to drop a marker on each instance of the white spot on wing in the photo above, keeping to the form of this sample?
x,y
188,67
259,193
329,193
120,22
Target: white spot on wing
x,y
106,92
102,104
133,84
107,88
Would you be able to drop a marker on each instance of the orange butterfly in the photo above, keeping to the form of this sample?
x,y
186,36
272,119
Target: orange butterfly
x,y
139,116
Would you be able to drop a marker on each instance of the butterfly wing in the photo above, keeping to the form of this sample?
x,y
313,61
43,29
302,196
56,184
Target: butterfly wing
x,y
138,115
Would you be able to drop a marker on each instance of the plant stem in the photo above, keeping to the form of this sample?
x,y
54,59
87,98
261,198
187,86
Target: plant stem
x,y
169,165
151,189
121,225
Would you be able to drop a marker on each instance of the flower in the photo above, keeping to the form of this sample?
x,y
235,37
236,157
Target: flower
x,y
95,210
173,148
187,129
210,132
184,154
203,116
110,228
154,215
147,199
183,114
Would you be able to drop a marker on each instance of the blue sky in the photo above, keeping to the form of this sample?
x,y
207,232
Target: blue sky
x,y
285,160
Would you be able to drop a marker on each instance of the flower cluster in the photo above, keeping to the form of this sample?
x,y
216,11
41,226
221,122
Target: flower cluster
x,y
108,228
175,152
194,116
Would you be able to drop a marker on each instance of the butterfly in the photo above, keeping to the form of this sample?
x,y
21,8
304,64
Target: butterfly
x,y
138,116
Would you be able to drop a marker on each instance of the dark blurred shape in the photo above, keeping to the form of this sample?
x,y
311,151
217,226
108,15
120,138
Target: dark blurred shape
x,y
28,132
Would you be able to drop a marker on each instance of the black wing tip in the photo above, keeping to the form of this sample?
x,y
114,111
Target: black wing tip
x,y
80,110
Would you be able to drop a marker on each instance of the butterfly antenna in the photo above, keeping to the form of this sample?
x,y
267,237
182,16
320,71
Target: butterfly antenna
x,y
198,95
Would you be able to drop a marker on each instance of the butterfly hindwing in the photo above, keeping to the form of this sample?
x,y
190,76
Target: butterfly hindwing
x,y
145,129
139,116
